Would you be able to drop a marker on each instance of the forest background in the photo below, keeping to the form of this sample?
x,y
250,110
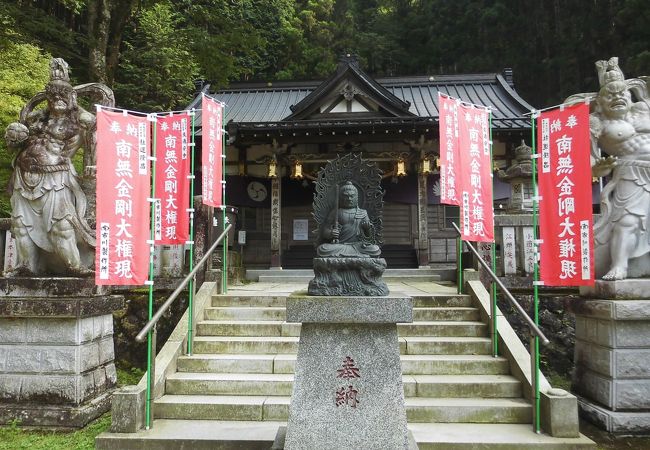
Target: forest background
x,y
152,51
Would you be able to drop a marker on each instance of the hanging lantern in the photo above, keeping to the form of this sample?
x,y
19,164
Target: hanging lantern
x,y
425,167
296,171
401,168
273,169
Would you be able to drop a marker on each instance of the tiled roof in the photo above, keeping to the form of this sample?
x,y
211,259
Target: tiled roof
x,y
265,103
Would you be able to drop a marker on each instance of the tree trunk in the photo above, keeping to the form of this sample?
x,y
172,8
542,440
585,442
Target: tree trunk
x,y
99,19
119,18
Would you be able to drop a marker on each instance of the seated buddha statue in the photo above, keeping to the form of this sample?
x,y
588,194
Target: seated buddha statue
x,y
347,232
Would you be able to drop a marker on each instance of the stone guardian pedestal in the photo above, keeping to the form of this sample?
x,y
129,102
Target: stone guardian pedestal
x,y
348,381
56,351
612,355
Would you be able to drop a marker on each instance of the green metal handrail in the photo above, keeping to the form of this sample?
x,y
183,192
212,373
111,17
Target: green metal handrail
x,y
150,328
535,333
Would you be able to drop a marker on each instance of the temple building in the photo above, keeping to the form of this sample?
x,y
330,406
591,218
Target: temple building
x,y
281,133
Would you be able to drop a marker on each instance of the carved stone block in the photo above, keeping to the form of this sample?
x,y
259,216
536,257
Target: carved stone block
x,y
349,277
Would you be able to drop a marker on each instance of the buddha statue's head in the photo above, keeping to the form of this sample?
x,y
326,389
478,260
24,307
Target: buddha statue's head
x,y
348,196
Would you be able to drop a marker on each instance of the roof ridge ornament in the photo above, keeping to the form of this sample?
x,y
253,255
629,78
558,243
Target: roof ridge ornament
x,y
351,59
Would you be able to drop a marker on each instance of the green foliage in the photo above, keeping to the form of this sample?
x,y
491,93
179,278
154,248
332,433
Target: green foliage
x,y
552,46
157,70
15,438
129,376
24,72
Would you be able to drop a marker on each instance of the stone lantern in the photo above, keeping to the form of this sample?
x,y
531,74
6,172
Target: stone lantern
x,y
519,177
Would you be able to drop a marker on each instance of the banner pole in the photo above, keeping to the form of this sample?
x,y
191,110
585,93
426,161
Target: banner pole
x,y
493,291
224,270
150,335
459,263
190,286
535,345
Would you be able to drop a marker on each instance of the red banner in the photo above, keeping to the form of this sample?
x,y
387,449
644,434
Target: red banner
x,y
475,186
123,187
171,218
211,148
565,207
449,156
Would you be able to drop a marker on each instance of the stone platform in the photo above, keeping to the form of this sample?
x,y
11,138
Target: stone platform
x,y
348,277
56,351
612,355
348,389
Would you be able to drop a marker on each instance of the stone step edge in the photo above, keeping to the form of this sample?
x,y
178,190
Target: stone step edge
x,y
181,399
453,436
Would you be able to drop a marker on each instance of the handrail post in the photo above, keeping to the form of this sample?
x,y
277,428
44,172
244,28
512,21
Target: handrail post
x,y
459,264
493,318
151,374
534,381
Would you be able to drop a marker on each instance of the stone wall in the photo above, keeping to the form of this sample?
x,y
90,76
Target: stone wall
x,y
133,317
558,324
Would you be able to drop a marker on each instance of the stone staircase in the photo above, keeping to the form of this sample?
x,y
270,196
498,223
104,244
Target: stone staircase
x,y
435,273
237,384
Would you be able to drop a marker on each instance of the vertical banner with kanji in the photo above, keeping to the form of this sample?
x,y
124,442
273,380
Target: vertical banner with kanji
x,y
564,177
123,186
475,187
211,148
449,157
172,221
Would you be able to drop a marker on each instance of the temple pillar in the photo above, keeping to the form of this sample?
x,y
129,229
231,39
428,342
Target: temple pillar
x,y
423,230
276,223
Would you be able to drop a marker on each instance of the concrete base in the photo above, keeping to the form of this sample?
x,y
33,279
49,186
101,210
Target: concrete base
x,y
630,289
612,352
59,416
56,353
348,389
617,422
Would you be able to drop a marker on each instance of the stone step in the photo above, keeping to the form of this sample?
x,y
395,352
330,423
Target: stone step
x,y
246,313
260,274
485,386
454,365
244,345
460,386
436,345
305,279
249,300
452,300
443,328
285,363
229,384
259,313
170,434
228,363
222,407
439,300
247,328
468,410
445,313
488,436
278,328
212,346
276,408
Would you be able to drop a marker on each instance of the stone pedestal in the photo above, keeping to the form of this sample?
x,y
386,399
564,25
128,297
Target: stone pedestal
x,y
348,384
612,355
56,351
348,276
